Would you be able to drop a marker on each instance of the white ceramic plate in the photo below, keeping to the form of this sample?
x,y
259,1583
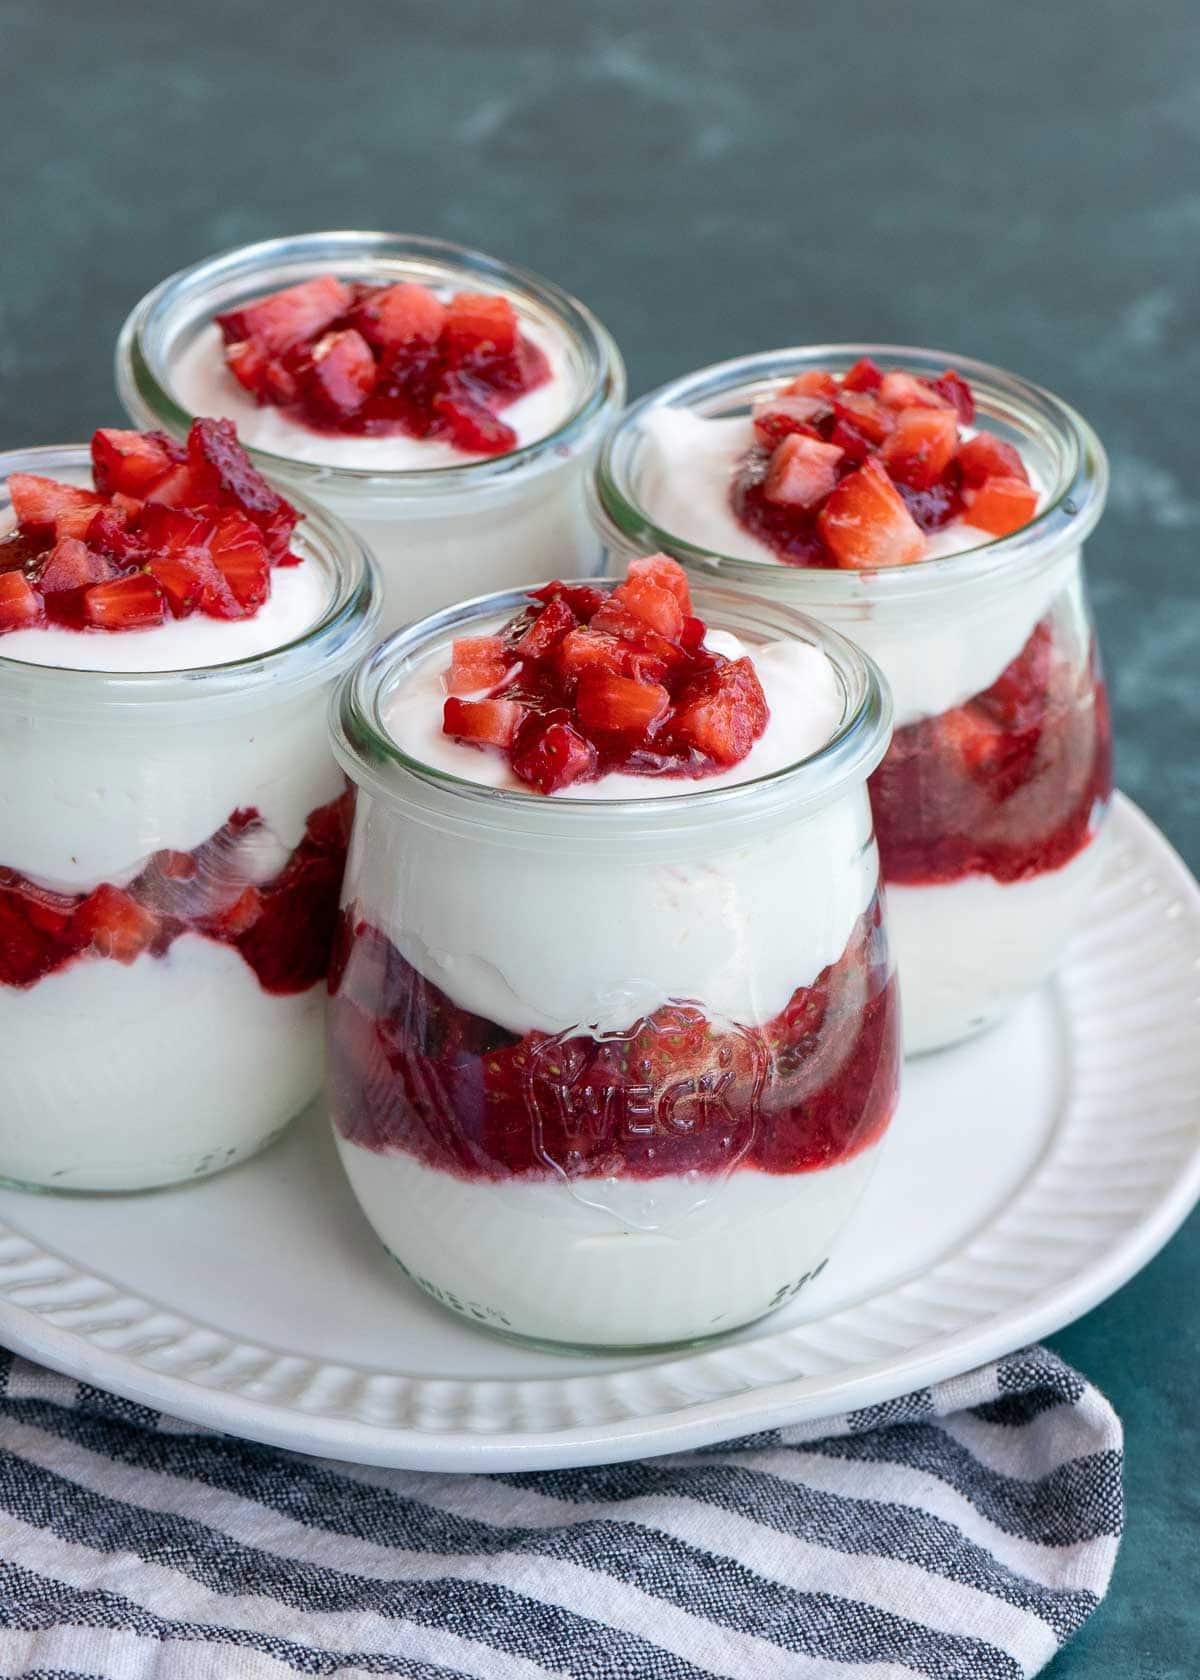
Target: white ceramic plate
x,y
1027,1176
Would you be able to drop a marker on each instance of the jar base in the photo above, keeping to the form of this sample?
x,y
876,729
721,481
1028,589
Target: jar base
x,y
209,1167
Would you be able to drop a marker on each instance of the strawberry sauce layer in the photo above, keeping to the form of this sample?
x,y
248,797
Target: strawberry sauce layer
x,y
283,927
856,471
370,361
676,1093
1008,784
170,530
582,683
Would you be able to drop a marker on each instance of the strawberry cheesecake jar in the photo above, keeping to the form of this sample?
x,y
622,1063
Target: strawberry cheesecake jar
x,y
613,1029
933,510
446,406
172,823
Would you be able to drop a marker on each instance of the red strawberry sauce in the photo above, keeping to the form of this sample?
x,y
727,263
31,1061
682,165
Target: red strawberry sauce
x,y
411,1071
282,927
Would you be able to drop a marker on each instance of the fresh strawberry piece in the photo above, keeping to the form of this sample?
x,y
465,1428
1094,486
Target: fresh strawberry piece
x,y
854,445
803,471
813,382
236,918
583,650
393,316
248,362
112,924
485,723
775,417
987,456
723,712
131,461
289,317
921,446
865,523
692,635
480,321
182,579
1018,698
1002,505
977,740
477,662
865,375
178,487
74,522
660,569
71,564
550,756
20,604
472,425
222,466
130,507
343,373
582,598
615,619
866,413
171,530
957,392
109,534
240,557
37,502
128,603
546,631
906,390
657,607
619,705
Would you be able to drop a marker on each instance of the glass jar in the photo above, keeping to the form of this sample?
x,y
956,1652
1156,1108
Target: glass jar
x,y
171,852
992,797
440,534
611,1072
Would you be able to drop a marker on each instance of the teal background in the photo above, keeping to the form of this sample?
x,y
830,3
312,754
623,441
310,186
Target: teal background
x,y
1018,182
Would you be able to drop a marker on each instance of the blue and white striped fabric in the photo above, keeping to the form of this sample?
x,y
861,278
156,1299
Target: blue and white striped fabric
x,y
967,1530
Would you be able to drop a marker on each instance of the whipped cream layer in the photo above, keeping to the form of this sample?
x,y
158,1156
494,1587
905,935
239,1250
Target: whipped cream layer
x,y
549,933
539,1259
201,383
935,654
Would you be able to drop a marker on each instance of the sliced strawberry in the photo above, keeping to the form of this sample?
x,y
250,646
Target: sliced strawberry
x,y
620,705
723,712
865,375
472,425
477,662
37,502
288,317
240,557
248,362
480,321
109,534
71,564
582,598
223,468
128,603
131,461
583,650
865,523
866,413
20,604
490,723
1002,505
550,756
393,316
987,456
775,417
615,619
813,382
178,487
130,506
977,740
956,391
921,446
666,573
803,472
343,373
546,631
74,522
112,924
236,918
906,390
655,606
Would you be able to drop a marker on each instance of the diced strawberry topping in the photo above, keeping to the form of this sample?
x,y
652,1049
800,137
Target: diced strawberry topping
x,y
813,382
20,604
238,553
289,317
775,417
865,375
112,924
866,412
37,502
375,360
71,564
130,462
477,662
1002,505
803,472
866,524
987,456
906,390
955,389
128,603
596,682
921,446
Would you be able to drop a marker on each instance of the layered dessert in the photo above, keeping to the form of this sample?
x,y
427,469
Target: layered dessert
x,y
613,1032
173,827
873,495
443,404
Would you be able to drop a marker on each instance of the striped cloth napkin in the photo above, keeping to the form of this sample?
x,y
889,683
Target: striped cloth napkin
x,y
967,1530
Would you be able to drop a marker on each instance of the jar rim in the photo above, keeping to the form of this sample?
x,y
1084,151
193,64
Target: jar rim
x,y
373,759
178,302
1074,503
316,654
